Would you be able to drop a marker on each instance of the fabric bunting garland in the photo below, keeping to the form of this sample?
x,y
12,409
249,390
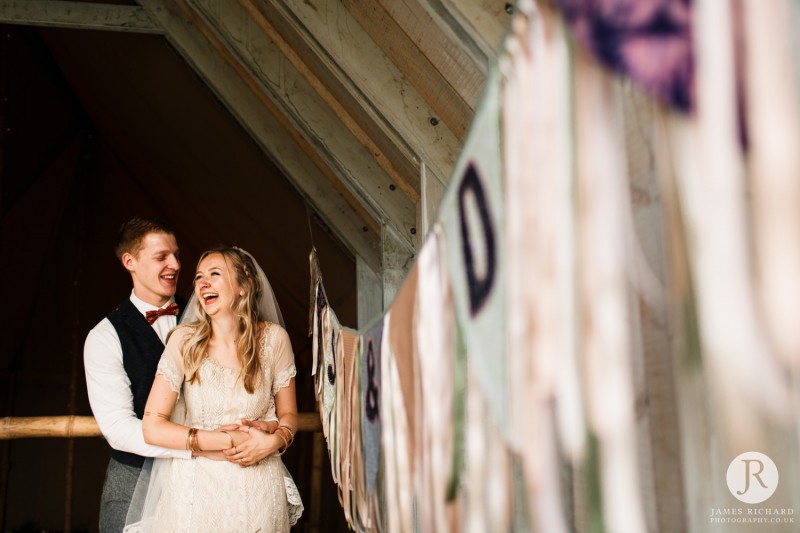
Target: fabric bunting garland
x,y
603,315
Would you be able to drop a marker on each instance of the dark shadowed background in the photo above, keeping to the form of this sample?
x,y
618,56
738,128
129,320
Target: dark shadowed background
x,y
98,127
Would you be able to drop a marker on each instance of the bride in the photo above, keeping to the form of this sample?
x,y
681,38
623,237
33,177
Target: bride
x,y
230,359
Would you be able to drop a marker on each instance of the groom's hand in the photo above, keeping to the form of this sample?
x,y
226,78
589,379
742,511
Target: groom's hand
x,y
267,427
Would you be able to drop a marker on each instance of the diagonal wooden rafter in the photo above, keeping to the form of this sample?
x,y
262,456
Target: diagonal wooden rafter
x,y
344,56
338,140
340,93
364,93
289,149
442,74
336,106
78,15
478,25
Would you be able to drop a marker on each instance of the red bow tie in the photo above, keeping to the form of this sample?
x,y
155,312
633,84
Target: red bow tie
x,y
171,309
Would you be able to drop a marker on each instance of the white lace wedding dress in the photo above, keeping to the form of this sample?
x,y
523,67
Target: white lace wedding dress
x,y
205,495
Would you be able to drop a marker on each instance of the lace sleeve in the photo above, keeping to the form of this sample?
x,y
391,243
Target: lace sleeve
x,y
283,369
171,364
283,378
166,367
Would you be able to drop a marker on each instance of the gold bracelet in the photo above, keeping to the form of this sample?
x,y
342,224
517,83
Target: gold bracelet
x,y
194,442
189,439
230,437
285,435
288,430
155,413
285,443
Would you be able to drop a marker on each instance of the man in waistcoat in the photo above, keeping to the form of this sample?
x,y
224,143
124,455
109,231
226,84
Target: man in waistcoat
x,y
121,355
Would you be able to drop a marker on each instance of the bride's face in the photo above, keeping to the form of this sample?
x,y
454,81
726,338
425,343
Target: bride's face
x,y
215,285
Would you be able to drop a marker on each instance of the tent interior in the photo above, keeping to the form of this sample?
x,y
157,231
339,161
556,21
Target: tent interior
x,y
98,127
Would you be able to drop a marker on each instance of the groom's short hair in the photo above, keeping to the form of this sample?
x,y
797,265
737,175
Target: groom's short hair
x,y
132,233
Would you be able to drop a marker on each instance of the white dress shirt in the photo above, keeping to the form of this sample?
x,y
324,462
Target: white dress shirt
x,y
109,387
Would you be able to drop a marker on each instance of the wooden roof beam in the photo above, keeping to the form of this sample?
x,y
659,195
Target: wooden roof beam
x,y
384,94
77,15
392,154
302,99
286,146
479,25
330,97
448,79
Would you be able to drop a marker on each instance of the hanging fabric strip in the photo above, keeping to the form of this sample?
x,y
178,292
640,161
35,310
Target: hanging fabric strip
x,y
648,41
472,218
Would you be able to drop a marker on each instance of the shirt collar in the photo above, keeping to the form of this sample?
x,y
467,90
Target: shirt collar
x,y
144,307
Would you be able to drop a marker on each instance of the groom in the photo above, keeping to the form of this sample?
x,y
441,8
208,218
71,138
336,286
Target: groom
x,y
121,355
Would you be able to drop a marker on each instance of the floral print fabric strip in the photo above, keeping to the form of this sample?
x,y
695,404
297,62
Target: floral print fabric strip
x,y
649,41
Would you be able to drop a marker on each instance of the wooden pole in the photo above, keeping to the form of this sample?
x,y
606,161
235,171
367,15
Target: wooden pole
x,y
85,426
6,454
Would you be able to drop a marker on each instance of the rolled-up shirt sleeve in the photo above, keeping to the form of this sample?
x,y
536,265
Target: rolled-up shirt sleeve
x,y
110,395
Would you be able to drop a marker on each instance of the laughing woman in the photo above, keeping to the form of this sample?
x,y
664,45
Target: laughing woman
x,y
229,360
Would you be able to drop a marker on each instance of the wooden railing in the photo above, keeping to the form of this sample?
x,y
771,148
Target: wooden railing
x,y
86,426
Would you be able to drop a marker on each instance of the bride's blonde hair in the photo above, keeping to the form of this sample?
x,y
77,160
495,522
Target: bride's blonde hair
x,y
244,307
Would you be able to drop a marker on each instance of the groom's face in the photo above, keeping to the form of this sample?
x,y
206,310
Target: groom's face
x,y
155,268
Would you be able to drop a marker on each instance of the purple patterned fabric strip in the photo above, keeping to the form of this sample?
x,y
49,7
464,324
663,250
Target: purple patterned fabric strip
x,y
649,41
